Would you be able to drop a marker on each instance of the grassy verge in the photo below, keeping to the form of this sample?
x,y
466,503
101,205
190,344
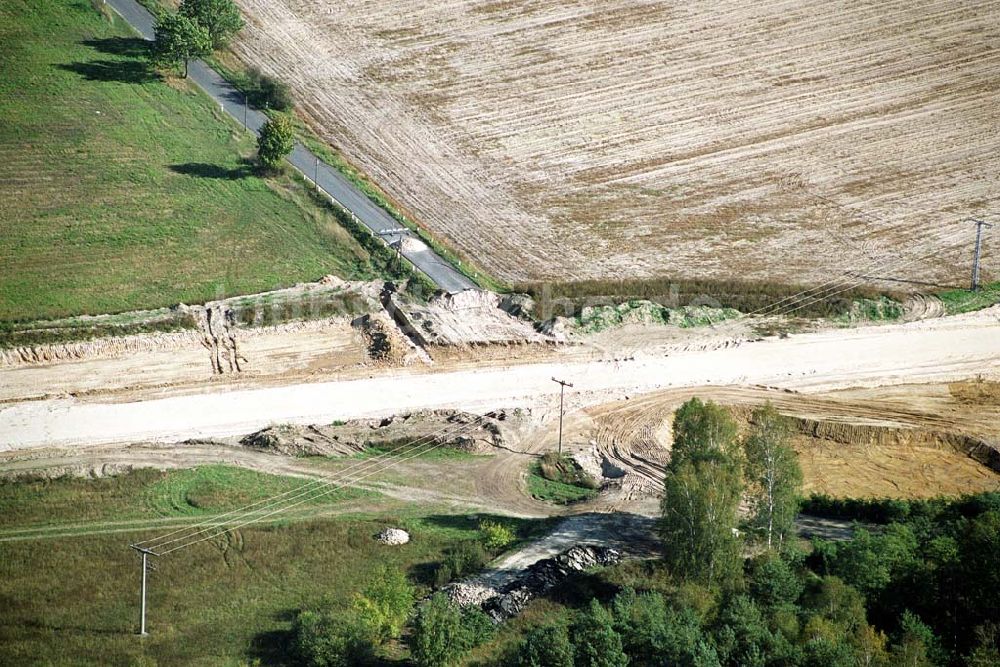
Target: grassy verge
x,y
963,301
569,299
122,190
223,602
437,454
146,494
559,481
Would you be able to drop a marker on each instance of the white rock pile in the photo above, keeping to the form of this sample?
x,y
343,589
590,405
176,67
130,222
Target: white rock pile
x,y
393,536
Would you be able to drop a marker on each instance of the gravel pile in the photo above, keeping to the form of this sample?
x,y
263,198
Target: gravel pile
x,y
393,536
544,576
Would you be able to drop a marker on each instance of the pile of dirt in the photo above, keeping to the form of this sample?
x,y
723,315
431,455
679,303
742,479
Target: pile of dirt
x,y
386,346
543,576
291,440
470,317
976,392
430,427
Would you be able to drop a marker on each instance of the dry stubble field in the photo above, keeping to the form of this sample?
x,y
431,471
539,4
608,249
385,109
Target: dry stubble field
x,y
785,141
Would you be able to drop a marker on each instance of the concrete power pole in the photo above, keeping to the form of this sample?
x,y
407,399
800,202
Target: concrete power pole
x,y
562,391
979,244
145,553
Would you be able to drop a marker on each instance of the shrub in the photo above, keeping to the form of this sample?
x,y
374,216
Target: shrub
x,y
276,141
459,561
496,535
545,646
327,640
384,605
443,633
267,92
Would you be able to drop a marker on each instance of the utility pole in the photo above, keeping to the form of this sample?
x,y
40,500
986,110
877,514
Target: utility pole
x,y
145,553
562,391
979,244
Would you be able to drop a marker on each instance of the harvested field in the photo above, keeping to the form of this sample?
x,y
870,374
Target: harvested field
x,y
784,141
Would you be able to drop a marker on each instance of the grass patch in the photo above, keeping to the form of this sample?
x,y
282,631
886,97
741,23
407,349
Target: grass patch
x,y
881,309
559,480
569,299
593,319
227,602
963,301
402,448
123,191
146,493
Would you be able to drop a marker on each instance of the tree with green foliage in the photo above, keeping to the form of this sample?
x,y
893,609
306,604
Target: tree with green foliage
x,y
773,475
384,605
220,18
596,642
655,633
702,428
545,646
437,633
772,582
700,502
276,141
178,40
328,640
496,535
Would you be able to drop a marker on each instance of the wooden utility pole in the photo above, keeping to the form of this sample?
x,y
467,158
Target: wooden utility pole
x,y
562,391
979,243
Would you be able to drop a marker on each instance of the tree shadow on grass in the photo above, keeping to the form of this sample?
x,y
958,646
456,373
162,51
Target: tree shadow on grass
x,y
135,47
274,647
204,170
123,71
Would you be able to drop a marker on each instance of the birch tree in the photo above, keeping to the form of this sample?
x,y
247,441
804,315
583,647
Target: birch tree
x,y
773,476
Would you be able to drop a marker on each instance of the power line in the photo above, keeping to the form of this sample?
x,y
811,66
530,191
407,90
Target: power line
x,y
212,523
781,304
310,499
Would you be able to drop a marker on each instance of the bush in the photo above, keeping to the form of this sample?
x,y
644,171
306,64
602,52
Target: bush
x,y
327,640
459,561
545,646
496,535
443,633
276,141
384,605
267,92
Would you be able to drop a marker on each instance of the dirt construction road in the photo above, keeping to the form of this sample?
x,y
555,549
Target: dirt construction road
x,y
938,350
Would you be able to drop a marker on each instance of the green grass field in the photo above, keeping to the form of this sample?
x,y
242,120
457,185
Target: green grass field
x,y
120,190
555,491
963,301
73,601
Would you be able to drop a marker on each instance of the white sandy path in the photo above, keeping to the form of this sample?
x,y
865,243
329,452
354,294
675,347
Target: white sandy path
x,y
939,350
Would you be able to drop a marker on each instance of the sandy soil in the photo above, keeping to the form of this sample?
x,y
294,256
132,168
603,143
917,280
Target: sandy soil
x,y
568,140
168,360
904,441
931,350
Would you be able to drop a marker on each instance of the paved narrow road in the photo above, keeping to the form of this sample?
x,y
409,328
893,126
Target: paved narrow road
x,y
329,179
